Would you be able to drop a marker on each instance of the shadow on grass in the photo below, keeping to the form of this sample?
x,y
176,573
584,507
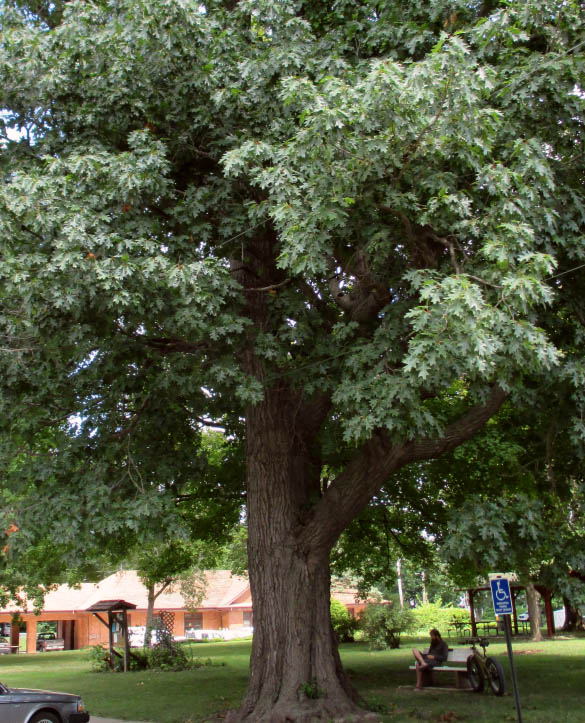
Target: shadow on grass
x,y
550,681
550,676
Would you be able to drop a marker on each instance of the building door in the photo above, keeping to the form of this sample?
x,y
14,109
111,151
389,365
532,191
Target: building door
x,y
69,634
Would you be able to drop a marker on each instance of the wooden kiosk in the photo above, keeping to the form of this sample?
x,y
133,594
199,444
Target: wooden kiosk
x,y
117,611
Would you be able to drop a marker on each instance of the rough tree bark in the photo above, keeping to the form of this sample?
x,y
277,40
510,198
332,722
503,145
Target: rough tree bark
x,y
296,672
534,612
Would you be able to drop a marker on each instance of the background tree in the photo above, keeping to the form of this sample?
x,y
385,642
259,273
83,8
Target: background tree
x,y
525,512
383,623
510,499
70,545
337,230
172,563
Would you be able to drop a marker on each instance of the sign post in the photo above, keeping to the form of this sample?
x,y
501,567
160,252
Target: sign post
x,y
502,600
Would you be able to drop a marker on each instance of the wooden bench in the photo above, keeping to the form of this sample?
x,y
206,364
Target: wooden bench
x,y
456,663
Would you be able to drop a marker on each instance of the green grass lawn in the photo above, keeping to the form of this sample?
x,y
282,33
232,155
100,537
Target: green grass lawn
x,y
551,677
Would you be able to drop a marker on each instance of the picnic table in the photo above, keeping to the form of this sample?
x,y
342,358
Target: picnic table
x,y
459,627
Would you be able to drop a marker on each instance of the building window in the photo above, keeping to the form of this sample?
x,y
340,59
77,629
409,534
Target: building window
x,y
193,621
248,618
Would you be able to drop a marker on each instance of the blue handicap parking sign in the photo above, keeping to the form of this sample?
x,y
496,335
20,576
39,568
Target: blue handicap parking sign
x,y
501,596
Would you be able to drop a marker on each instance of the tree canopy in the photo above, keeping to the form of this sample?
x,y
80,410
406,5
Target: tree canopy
x,y
345,232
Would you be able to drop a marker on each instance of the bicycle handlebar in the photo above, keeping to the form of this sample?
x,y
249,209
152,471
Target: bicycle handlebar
x,y
482,642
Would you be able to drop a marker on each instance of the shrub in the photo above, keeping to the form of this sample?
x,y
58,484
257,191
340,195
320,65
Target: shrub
x,y
99,657
435,615
158,658
138,660
166,654
342,622
382,624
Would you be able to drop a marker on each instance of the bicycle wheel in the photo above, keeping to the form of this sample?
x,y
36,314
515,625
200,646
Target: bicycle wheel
x,y
475,674
496,676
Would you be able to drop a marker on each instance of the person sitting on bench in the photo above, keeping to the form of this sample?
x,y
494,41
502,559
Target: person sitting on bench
x,y
437,654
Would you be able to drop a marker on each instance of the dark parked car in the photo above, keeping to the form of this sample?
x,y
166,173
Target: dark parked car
x,y
21,705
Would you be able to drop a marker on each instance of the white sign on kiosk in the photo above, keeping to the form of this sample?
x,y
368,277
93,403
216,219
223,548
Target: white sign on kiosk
x,y
501,594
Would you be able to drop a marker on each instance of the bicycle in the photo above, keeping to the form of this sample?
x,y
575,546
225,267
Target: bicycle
x,y
481,668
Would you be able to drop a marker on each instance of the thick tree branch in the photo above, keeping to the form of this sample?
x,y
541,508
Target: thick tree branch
x,y
168,345
425,246
377,460
459,431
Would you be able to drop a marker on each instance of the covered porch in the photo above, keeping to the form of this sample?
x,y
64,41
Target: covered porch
x,y
518,627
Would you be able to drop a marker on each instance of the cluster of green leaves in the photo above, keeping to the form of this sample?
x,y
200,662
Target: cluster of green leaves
x,y
342,622
526,505
439,136
382,624
439,616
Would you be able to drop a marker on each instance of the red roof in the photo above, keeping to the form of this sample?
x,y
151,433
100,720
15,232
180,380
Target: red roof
x,y
224,590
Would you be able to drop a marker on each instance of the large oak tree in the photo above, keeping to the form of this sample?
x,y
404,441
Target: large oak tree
x,y
342,223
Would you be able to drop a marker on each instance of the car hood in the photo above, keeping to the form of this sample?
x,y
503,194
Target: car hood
x,y
31,694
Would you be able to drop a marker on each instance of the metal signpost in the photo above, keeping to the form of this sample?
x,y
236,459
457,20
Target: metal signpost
x,y
502,599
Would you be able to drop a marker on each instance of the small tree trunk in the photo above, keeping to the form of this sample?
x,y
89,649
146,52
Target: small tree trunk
x,y
399,576
151,597
573,617
534,613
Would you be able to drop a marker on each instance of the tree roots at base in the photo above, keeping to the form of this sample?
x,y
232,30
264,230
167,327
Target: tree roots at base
x,y
304,712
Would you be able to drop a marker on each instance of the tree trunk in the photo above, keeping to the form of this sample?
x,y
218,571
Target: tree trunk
x,y
573,617
399,580
149,615
534,612
295,669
